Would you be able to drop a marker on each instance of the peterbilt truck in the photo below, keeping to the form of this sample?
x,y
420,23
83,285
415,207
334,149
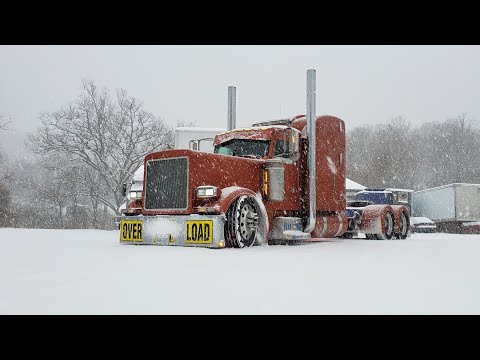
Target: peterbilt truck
x,y
281,181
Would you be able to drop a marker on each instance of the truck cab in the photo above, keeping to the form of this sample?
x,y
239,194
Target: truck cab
x,y
390,196
260,142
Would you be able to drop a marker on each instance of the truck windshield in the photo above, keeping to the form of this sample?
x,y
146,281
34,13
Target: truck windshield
x,y
376,197
243,148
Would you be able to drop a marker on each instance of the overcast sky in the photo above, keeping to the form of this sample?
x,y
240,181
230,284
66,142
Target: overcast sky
x,y
360,84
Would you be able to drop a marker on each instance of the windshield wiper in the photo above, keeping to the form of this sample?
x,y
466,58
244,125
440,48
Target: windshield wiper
x,y
249,156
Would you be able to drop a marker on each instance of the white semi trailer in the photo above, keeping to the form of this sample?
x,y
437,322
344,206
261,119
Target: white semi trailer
x,y
453,207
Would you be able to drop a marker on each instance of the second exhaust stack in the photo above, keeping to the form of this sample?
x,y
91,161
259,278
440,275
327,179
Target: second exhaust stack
x,y
311,134
232,104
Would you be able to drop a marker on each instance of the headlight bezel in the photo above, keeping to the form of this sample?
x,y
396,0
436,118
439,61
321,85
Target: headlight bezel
x,y
206,192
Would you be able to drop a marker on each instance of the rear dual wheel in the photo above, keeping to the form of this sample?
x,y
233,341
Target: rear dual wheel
x,y
404,224
388,228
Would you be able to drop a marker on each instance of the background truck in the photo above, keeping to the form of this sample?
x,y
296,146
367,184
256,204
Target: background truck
x,y
453,207
400,200
277,181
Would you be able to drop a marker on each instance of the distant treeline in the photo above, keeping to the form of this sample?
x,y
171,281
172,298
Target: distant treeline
x,y
396,154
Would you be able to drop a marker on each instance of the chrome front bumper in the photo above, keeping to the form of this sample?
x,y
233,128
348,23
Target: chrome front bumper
x,y
171,230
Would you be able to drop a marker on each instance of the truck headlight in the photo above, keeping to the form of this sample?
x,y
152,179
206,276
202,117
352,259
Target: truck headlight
x,y
134,195
206,191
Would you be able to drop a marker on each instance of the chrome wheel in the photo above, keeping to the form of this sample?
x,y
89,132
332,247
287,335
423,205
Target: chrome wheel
x,y
242,222
403,226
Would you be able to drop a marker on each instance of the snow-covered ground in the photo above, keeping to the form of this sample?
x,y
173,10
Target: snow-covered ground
x,y
89,272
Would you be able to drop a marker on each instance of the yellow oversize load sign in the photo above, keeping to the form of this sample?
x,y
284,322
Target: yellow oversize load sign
x,y
131,230
199,232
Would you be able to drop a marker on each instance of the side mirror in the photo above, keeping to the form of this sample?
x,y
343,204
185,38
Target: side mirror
x,y
294,144
193,145
124,189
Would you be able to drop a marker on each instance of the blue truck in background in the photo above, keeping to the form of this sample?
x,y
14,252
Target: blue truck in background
x,y
397,219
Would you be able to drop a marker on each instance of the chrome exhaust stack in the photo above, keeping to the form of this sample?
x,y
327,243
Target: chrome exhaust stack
x,y
232,104
311,132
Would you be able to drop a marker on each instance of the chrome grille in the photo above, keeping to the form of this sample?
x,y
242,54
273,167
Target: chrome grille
x,y
166,184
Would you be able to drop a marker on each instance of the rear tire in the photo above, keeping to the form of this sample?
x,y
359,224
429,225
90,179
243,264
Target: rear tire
x,y
241,226
388,226
404,225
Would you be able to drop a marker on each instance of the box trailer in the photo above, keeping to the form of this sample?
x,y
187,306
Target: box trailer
x,y
453,207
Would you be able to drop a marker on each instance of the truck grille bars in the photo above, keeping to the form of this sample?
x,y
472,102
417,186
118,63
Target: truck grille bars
x,y
166,184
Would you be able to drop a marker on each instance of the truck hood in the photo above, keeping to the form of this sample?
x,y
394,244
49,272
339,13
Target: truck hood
x,y
201,169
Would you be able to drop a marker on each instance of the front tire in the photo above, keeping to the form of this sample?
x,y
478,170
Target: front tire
x,y
241,227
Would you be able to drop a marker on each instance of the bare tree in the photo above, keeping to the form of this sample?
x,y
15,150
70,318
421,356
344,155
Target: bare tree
x,y
5,172
110,136
52,185
92,188
465,150
393,151
450,152
43,193
359,154
5,200
183,123
5,123
382,155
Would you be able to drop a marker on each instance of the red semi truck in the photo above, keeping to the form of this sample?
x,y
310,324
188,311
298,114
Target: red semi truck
x,y
276,182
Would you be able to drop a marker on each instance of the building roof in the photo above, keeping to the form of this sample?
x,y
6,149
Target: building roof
x,y
352,185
